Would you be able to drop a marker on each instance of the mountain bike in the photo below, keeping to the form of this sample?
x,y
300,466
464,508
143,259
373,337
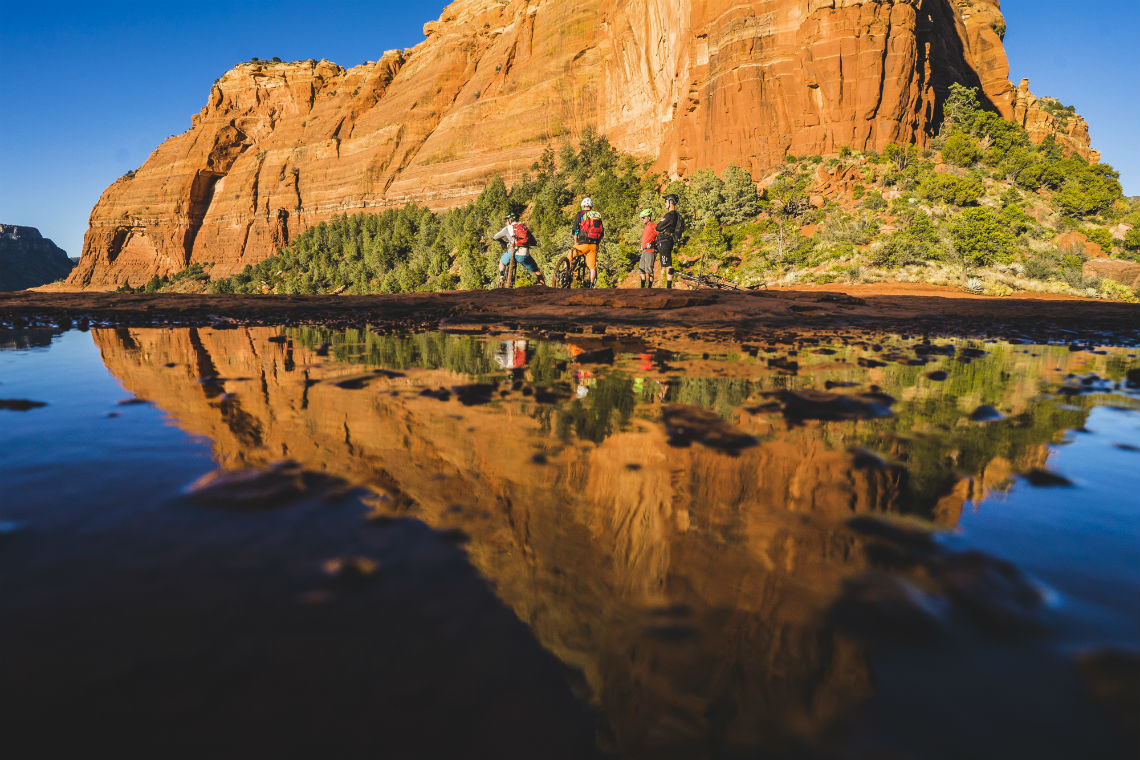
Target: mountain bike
x,y
570,270
508,278
712,281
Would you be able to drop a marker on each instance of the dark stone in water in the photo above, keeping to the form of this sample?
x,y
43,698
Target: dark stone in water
x,y
539,458
322,350
1132,378
439,394
937,375
20,404
1046,479
354,383
281,484
913,539
474,393
133,401
927,349
870,363
986,413
820,405
685,424
276,338
598,356
1126,447
992,591
839,384
549,395
884,606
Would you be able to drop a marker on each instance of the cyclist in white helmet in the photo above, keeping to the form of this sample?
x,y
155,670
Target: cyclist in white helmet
x,y
588,233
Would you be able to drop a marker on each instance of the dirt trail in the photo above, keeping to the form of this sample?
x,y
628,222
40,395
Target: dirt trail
x,y
703,314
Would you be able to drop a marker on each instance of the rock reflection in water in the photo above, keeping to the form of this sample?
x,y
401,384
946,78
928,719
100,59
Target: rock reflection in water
x,y
689,587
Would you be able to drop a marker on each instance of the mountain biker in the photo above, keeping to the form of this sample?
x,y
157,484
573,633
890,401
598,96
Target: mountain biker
x,y
517,238
670,228
588,233
648,249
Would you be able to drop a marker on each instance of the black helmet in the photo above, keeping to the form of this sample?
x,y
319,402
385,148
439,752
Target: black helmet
x,y
671,198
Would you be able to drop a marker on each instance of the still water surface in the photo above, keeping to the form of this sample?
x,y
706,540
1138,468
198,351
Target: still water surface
x,y
297,541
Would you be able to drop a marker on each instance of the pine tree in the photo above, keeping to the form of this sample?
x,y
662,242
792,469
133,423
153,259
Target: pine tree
x,y
740,202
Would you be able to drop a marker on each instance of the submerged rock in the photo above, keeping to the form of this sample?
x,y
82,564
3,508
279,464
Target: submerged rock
x,y
1046,479
278,485
686,424
986,413
833,407
20,404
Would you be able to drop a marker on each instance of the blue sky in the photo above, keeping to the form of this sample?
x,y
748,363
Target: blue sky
x,y
90,89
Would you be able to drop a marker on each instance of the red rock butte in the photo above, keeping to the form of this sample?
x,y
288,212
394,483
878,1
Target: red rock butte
x,y
692,84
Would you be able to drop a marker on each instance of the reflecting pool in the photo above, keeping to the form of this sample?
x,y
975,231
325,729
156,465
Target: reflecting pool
x,y
299,541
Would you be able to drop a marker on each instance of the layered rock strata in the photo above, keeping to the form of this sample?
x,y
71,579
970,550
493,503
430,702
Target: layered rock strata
x,y
28,259
281,146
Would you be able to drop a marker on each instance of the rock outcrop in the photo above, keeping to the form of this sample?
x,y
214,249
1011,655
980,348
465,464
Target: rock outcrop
x,y
1125,272
1046,117
281,146
28,259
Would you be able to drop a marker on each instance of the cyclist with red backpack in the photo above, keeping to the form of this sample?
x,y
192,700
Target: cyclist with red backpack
x,y
518,239
588,233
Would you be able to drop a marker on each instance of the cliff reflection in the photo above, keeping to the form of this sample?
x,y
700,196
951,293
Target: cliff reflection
x,y
687,586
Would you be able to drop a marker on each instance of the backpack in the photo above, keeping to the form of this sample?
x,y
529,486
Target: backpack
x,y
523,238
592,227
679,228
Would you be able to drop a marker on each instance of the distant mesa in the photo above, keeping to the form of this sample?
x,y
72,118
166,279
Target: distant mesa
x,y
28,259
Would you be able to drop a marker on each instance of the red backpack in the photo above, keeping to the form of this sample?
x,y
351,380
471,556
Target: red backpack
x,y
592,228
523,238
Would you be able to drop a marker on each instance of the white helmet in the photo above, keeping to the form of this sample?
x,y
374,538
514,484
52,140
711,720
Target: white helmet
x,y
587,203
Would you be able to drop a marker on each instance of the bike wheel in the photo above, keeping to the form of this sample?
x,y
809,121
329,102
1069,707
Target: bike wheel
x,y
563,273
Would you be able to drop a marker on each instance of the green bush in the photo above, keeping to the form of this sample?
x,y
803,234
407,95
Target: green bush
x,y
982,238
917,243
951,189
1100,236
1132,240
960,150
1089,190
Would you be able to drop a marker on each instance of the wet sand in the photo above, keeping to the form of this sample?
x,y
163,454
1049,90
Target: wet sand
x,y
662,314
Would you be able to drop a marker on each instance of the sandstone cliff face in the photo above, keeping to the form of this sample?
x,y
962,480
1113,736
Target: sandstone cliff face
x,y
279,147
1071,131
28,259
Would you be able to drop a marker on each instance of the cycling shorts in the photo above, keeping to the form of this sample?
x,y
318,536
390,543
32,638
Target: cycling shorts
x,y
522,256
665,249
589,250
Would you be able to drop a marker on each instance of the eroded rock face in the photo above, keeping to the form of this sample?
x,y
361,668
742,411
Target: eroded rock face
x,y
28,259
1071,131
279,147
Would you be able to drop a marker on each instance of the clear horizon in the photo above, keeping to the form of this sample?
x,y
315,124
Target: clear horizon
x,y
92,91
